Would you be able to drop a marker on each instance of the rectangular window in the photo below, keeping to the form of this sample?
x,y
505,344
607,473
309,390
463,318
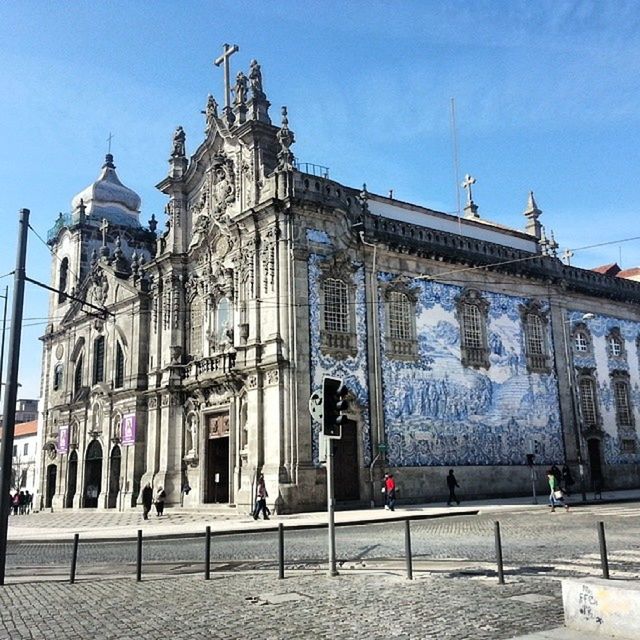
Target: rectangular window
x,y
23,478
98,360
195,334
336,311
25,450
588,402
535,335
472,327
623,411
15,450
119,377
628,446
399,316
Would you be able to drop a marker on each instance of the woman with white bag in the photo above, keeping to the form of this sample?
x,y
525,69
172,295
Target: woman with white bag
x,y
556,496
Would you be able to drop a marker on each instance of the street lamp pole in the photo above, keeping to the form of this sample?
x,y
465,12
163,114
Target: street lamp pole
x,y
4,330
575,412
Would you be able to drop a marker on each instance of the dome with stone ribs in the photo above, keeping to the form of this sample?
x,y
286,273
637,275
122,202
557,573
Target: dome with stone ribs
x,y
108,198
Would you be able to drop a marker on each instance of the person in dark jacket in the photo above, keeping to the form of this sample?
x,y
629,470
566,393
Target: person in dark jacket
x,y
147,500
161,496
452,483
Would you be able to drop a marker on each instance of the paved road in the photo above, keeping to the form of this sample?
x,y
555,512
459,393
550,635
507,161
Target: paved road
x,y
455,594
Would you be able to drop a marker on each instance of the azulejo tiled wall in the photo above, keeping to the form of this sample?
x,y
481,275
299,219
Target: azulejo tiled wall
x,y
600,359
438,412
352,370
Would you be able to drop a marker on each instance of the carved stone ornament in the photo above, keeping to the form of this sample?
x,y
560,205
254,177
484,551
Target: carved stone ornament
x,y
273,377
153,403
59,352
252,381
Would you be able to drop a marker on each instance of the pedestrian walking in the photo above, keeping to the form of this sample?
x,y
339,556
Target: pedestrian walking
x,y
389,492
15,503
22,503
160,498
556,496
28,499
147,500
452,483
567,480
261,500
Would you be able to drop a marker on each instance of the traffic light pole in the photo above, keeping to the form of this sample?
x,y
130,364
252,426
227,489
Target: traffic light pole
x,y
331,504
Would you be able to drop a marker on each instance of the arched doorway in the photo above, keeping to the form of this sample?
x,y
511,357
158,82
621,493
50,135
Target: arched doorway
x,y
92,474
52,472
595,464
114,478
72,479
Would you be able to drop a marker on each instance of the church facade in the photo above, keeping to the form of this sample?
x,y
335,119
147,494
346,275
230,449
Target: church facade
x,y
185,356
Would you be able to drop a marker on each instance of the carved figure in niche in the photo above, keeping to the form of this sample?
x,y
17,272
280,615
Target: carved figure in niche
x,y
255,78
211,113
100,289
191,445
200,227
240,90
178,143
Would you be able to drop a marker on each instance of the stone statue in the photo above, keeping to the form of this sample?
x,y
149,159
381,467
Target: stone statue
x,y
240,90
211,112
192,433
178,143
255,78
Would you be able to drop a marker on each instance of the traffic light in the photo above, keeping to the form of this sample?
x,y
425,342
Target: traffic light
x,y
334,405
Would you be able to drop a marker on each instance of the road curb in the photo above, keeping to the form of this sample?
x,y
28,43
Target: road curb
x,y
130,537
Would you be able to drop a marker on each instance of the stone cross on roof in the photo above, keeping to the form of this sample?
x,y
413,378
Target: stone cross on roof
x,y
227,52
466,184
109,139
103,227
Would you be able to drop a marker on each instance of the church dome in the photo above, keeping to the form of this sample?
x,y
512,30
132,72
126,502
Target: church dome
x,y
108,198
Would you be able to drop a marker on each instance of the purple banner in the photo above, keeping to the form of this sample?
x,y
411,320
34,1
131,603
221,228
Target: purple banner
x,y
129,429
63,439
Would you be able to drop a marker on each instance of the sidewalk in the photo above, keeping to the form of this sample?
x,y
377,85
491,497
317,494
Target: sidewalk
x,y
179,522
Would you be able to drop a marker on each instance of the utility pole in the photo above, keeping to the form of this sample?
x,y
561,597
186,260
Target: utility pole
x,y
6,448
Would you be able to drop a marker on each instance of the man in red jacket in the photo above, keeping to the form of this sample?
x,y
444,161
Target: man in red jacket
x,y
389,491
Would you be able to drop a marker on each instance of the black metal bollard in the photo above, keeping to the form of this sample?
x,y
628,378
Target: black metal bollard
x,y
499,553
74,558
280,551
604,561
139,558
207,554
407,548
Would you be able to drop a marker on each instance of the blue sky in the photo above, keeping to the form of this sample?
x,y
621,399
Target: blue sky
x,y
547,98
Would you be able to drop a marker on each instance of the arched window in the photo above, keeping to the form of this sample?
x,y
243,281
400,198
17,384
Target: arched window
x,y
57,377
77,377
336,311
615,344
588,405
62,281
119,377
581,342
400,339
98,360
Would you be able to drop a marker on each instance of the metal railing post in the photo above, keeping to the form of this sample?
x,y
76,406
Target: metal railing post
x,y
74,558
280,551
207,553
499,553
139,557
407,548
604,562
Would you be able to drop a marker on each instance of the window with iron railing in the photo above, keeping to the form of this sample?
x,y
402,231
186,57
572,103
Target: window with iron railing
x,y
336,310
588,404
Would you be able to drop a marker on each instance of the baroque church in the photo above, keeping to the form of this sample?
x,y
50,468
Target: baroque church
x,y
184,354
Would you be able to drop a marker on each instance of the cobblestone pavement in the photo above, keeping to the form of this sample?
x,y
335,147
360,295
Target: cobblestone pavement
x,y
455,594
379,605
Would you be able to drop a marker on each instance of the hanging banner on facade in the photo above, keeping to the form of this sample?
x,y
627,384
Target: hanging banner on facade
x,y
129,429
63,439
